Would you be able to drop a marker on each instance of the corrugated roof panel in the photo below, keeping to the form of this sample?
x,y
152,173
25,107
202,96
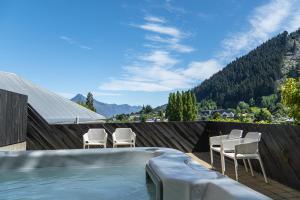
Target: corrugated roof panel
x,y
52,107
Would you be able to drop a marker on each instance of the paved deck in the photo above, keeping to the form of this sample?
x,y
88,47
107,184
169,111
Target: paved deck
x,y
273,189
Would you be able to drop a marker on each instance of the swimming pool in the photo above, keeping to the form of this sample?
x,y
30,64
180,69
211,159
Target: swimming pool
x,y
112,174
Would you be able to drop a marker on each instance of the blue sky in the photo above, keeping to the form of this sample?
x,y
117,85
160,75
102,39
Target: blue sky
x,y
133,52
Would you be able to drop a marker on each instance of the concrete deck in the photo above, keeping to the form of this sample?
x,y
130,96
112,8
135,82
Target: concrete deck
x,y
273,189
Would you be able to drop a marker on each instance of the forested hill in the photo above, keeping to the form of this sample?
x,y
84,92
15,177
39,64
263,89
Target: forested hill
x,y
256,74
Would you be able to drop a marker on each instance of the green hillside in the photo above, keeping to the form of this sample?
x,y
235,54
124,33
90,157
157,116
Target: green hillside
x,y
256,74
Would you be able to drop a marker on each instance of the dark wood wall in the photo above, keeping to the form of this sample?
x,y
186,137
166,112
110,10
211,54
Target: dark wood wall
x,y
280,145
279,148
187,137
13,117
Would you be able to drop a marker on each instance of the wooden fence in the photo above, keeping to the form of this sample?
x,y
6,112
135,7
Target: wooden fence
x,y
13,118
280,145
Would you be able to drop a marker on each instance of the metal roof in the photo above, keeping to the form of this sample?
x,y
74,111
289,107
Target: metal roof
x,y
54,108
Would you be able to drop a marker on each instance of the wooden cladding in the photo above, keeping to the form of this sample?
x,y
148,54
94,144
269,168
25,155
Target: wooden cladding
x,y
279,148
13,118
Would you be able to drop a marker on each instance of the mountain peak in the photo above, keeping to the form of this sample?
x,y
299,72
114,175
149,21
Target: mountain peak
x,y
78,98
108,110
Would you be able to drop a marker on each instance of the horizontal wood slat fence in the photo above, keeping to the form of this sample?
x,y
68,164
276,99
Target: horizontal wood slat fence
x,y
279,148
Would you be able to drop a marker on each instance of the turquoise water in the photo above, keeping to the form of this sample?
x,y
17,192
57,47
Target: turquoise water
x,y
108,183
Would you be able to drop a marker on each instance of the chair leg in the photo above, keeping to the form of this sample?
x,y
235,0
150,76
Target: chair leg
x,y
211,158
262,168
250,165
236,170
245,165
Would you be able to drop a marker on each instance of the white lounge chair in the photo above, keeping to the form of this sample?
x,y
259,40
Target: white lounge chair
x,y
95,137
244,148
215,142
123,137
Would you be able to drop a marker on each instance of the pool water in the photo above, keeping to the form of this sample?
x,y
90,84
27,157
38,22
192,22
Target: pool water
x,y
107,183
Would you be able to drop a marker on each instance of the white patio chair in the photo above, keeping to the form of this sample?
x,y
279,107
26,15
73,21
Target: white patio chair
x,y
95,137
123,137
215,142
244,148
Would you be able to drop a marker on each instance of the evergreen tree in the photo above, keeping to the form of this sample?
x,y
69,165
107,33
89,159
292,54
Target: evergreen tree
x,y
148,109
170,110
194,107
252,102
168,107
252,75
179,107
90,102
172,116
185,106
189,106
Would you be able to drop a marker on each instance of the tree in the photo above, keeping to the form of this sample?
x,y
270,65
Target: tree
x,y
170,107
207,105
194,107
252,75
148,109
182,106
252,102
143,118
90,102
290,96
192,110
161,114
269,101
217,115
179,107
263,115
121,117
185,106
242,107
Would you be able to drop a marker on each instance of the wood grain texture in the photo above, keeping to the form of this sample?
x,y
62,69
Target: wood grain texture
x,y
279,148
13,118
280,145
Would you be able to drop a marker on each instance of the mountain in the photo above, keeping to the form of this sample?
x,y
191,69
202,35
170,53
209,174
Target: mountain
x,y
160,108
257,74
108,110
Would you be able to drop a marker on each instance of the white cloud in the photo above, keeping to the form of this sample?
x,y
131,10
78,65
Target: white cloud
x,y
161,69
158,69
159,58
162,29
174,9
151,18
294,20
172,43
265,21
158,72
201,70
73,42
67,39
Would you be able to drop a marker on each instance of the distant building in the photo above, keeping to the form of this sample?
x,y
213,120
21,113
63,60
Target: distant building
x,y
209,113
